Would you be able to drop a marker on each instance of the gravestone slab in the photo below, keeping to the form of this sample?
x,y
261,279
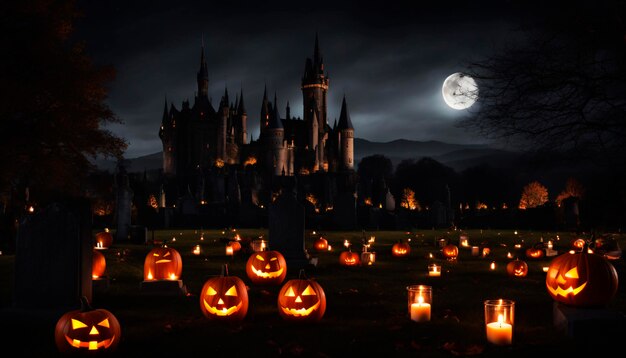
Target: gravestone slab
x,y
286,230
589,324
53,258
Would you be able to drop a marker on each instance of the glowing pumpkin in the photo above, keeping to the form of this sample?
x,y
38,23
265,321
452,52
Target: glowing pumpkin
x,y
517,268
235,245
104,240
162,263
224,298
98,264
301,300
401,249
266,268
450,251
581,279
578,244
534,253
87,330
321,244
349,258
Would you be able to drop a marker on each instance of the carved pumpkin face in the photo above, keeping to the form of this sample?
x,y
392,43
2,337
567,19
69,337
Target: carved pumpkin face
x,y
349,258
266,267
87,330
581,279
400,249
321,244
517,268
301,300
534,253
162,263
104,240
224,298
98,266
578,244
450,251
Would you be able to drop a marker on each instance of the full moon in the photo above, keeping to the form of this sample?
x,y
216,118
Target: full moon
x,y
459,91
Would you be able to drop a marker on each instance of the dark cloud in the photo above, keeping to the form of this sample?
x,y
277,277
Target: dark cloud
x,y
388,60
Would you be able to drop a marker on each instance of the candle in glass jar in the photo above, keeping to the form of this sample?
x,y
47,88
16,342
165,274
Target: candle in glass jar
x,y
499,332
434,270
229,250
474,250
420,311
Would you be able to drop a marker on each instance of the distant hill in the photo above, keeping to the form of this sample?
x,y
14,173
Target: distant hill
x,y
457,156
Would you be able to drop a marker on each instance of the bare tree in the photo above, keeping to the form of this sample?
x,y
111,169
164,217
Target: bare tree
x,y
561,86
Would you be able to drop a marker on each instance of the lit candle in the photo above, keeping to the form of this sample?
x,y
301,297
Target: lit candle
x,y
346,243
434,270
330,248
229,250
430,255
493,265
518,246
509,255
550,245
196,250
500,333
173,276
474,250
420,311
545,269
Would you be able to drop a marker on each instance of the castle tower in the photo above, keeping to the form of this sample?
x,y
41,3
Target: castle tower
x,y
241,131
346,139
223,114
274,136
167,133
314,91
264,119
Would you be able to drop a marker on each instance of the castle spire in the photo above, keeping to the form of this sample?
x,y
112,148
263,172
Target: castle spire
x,y
275,121
203,74
316,51
164,111
344,117
242,107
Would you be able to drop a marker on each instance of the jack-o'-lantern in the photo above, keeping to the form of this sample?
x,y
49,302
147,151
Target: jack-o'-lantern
x,y
401,249
321,244
578,244
87,330
162,263
534,252
581,279
224,298
235,245
104,240
517,268
450,251
486,251
349,258
266,268
301,300
98,265
608,247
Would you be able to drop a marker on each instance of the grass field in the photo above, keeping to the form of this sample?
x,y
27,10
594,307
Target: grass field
x,y
366,311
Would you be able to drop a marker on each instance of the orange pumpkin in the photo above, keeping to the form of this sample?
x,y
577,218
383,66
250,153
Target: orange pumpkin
x,y
517,268
98,265
321,244
450,251
301,300
266,268
224,298
235,245
162,263
534,253
581,279
349,258
87,330
401,249
104,240
578,244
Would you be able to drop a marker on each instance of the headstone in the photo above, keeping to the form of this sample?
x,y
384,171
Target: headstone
x,y
53,259
286,230
571,213
390,201
123,205
344,211
439,214
600,325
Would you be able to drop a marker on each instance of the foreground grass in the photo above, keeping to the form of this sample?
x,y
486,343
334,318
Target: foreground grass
x,y
366,306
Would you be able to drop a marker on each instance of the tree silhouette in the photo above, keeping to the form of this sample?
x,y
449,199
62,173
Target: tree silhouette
x,y
560,86
52,108
534,194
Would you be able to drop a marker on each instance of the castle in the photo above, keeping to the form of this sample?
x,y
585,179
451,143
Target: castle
x,y
199,138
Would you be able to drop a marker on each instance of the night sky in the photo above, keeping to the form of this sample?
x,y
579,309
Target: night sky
x,y
388,60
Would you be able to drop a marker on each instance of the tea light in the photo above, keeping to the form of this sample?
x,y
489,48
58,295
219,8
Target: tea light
x,y
493,265
499,317
474,250
509,255
420,300
197,250
545,268
173,277
229,250
259,245
464,241
346,243
550,245
430,255
518,246
330,248
441,242
434,270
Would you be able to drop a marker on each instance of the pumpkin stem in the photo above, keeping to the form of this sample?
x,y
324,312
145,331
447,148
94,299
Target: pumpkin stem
x,y
84,304
225,270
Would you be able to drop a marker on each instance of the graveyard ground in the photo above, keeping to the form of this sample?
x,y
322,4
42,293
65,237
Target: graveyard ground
x,y
366,311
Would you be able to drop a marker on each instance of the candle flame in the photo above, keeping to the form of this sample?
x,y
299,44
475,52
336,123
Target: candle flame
x,y
493,265
329,248
420,299
150,277
172,276
500,318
